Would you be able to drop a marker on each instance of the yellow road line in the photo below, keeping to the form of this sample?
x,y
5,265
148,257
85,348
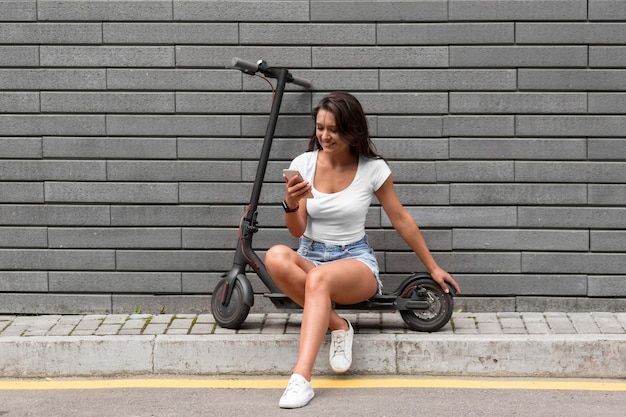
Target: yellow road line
x,y
280,383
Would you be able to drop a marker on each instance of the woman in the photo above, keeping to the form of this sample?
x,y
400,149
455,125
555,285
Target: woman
x,y
335,263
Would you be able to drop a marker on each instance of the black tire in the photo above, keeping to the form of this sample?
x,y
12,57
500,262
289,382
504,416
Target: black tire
x,y
233,315
441,306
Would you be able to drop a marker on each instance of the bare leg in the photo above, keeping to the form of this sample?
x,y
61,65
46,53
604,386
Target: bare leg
x,y
315,288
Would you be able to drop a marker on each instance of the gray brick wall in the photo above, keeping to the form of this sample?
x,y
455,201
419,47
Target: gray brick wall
x,y
128,150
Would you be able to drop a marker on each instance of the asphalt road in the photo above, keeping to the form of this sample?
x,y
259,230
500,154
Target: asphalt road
x,y
259,397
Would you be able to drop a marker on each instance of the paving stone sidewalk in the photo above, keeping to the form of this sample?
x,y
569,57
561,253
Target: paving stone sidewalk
x,y
289,323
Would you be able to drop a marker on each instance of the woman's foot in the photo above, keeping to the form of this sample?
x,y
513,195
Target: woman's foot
x,y
341,348
298,393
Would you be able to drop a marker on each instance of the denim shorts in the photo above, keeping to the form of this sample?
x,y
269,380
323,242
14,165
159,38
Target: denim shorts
x,y
319,253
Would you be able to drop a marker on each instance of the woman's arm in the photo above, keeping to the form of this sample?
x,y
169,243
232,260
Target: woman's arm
x,y
408,229
296,221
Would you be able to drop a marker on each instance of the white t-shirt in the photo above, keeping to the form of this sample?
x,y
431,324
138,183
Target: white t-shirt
x,y
339,218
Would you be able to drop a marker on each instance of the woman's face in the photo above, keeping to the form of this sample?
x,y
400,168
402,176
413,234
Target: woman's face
x,y
327,134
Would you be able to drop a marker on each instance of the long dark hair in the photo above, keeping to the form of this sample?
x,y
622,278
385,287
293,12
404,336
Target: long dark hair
x,y
351,123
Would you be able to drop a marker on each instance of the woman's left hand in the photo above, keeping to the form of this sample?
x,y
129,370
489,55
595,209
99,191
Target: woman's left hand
x,y
442,278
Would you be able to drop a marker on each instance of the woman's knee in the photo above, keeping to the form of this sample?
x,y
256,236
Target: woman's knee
x,y
277,257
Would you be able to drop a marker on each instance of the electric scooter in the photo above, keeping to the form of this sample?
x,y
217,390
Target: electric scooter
x,y
423,305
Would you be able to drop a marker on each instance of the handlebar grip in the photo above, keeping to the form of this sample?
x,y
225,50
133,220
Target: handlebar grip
x,y
246,65
302,82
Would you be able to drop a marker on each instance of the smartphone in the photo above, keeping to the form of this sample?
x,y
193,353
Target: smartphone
x,y
290,173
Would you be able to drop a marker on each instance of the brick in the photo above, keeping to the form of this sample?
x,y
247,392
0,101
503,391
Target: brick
x,y
572,217
18,10
589,172
109,148
607,102
35,124
398,103
240,10
606,149
173,260
170,33
324,10
606,10
210,238
153,216
478,10
287,126
448,79
523,149
520,239
43,259
110,192
104,102
585,263
444,33
523,284
21,192
19,56
115,282
466,262
52,79
330,80
55,215
21,102
380,57
405,126
54,303
607,195
572,79
302,34
411,194
436,239
518,194
107,56
114,237
51,33
518,56
173,171
220,56
607,286
496,126
607,56
23,281
42,170
20,147
607,240
161,303
442,216
221,149
569,33
172,79
413,172
215,193
104,10
23,237
519,103
595,126
474,171
166,125
235,103
412,149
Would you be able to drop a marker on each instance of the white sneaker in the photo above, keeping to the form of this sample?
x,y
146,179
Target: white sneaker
x,y
298,393
341,349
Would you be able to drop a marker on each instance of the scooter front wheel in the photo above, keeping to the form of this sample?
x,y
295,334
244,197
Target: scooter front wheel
x,y
233,314
440,307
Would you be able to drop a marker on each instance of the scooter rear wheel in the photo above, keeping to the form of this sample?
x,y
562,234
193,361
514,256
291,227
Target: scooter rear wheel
x,y
233,314
439,312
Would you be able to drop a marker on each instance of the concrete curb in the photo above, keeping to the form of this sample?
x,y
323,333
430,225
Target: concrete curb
x,y
571,356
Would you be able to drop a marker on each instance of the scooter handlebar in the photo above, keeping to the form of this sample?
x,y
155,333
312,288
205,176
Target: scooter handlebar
x,y
246,65
251,68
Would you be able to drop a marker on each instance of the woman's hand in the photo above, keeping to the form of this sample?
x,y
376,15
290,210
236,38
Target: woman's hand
x,y
296,190
442,278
